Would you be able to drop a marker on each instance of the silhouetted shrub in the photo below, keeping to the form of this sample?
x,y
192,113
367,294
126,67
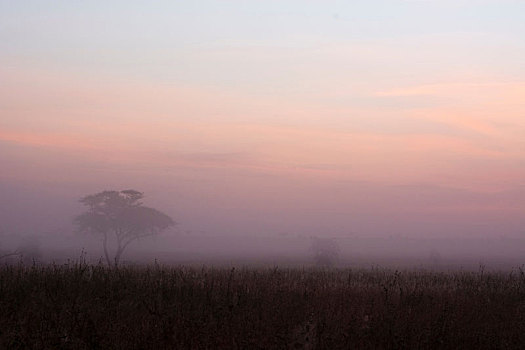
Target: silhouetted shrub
x,y
325,251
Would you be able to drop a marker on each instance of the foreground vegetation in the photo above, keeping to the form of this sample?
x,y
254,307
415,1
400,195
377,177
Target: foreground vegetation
x,y
81,306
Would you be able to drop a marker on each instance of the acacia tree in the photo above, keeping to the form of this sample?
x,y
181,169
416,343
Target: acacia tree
x,y
120,216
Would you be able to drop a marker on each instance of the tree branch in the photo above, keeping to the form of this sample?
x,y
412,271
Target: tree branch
x,y
105,243
9,254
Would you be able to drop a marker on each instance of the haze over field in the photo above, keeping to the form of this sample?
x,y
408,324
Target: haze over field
x,y
337,118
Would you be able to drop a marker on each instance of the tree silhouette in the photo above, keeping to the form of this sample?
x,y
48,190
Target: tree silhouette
x,y
325,251
120,215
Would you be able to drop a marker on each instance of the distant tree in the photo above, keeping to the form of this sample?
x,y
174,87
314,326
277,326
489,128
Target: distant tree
x,y
325,251
121,217
434,257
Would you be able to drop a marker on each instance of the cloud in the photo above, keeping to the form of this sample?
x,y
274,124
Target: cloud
x,y
485,108
52,140
161,126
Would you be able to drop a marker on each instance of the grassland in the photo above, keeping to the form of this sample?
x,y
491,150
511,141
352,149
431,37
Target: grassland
x,y
79,306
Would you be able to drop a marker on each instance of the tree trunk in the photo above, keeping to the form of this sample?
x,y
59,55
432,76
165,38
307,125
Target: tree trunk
x,y
105,243
119,252
121,248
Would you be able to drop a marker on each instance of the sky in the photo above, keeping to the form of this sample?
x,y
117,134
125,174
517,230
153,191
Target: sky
x,y
376,117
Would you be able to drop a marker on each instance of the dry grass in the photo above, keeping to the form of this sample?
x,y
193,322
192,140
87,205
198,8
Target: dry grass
x,y
80,306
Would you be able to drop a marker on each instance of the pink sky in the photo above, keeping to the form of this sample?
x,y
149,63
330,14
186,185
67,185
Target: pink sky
x,y
412,133
450,163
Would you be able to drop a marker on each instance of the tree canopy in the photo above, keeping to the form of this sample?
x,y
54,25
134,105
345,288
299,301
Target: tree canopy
x,y
121,216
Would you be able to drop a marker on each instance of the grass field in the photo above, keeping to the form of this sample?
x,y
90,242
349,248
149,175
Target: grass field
x,y
79,306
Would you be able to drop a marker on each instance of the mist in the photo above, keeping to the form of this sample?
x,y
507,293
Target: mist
x,y
401,227
258,128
